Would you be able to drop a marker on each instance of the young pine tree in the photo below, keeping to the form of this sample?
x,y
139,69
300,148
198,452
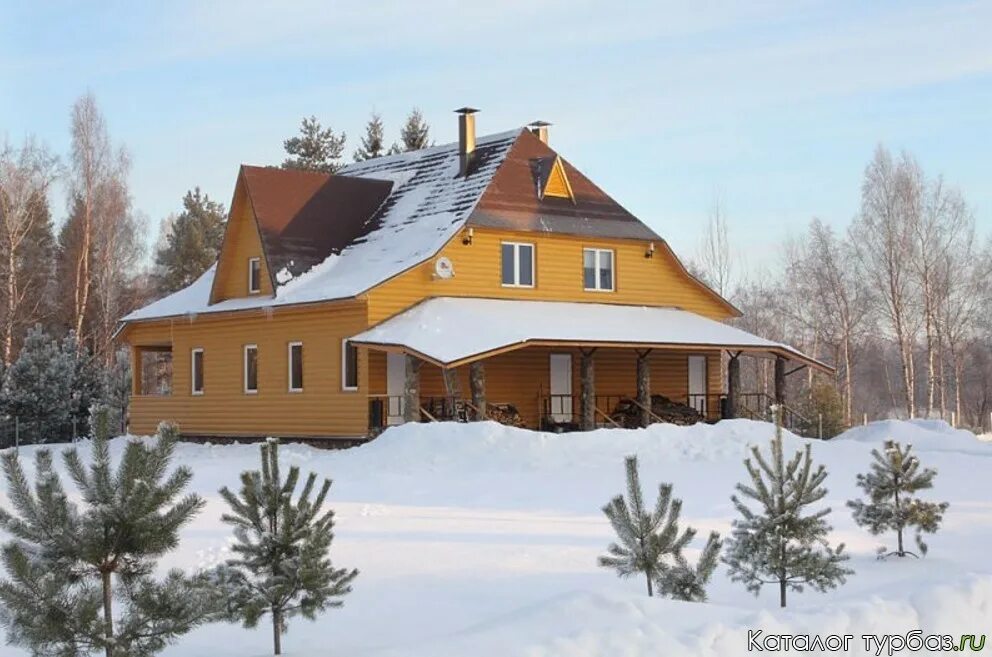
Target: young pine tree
x,y
650,542
777,543
894,478
283,568
373,144
79,576
315,149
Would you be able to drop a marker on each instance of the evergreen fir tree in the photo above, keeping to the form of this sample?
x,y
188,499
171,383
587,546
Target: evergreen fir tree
x,y
117,391
80,575
37,388
372,143
890,486
651,544
415,133
86,382
282,568
315,149
777,544
192,242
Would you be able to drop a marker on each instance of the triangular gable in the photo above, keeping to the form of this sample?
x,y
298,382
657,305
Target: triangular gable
x,y
557,184
242,241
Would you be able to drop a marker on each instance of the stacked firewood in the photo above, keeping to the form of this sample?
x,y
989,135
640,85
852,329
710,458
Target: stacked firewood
x,y
628,414
504,414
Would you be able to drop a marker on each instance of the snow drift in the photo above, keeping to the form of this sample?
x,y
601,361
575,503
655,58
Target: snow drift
x,y
481,539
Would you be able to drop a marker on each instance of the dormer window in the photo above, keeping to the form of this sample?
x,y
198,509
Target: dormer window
x,y
254,275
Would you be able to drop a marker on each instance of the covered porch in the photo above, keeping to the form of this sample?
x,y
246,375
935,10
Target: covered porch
x,y
563,366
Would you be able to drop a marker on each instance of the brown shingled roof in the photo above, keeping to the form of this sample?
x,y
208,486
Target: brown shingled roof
x,y
512,202
304,216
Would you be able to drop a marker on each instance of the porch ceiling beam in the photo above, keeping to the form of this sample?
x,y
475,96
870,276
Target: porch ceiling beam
x,y
583,345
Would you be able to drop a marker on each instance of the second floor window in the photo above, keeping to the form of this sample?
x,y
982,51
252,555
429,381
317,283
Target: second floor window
x,y
597,270
296,367
518,264
254,275
251,369
196,370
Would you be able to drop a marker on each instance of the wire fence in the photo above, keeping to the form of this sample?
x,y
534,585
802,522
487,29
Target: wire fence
x,y
17,431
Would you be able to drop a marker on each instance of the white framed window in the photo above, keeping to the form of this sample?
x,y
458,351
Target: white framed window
x,y
251,369
349,366
196,371
517,264
598,273
294,357
254,275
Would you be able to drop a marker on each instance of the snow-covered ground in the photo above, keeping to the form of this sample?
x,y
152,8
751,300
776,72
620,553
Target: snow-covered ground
x,y
482,540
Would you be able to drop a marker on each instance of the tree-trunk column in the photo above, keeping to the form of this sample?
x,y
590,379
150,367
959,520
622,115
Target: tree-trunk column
x,y
587,372
779,380
411,390
477,379
452,390
644,386
733,384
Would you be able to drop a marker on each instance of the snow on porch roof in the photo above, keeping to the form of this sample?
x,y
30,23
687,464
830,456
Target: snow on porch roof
x,y
450,331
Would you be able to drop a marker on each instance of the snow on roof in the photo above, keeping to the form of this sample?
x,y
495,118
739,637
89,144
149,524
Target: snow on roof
x,y
450,330
428,205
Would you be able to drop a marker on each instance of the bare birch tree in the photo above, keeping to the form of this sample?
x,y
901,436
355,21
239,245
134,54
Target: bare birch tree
x,y
26,173
883,238
715,256
98,175
824,269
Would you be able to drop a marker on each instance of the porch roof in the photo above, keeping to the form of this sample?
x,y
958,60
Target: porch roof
x,y
452,331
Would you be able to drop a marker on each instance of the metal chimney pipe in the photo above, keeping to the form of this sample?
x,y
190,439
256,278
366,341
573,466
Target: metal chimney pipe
x,y
540,128
466,138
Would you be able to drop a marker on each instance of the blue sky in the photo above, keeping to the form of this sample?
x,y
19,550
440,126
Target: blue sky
x,y
775,107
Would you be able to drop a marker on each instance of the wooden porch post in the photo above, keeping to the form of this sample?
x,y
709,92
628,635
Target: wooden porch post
x,y
733,384
411,389
644,386
587,373
477,379
779,380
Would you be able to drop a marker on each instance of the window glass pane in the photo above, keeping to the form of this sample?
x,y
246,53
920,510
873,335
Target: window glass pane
x,y
508,265
251,369
589,269
350,365
255,270
526,253
606,270
296,367
197,371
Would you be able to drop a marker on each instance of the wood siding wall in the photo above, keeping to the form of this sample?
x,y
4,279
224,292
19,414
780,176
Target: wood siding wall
x,y
656,281
321,409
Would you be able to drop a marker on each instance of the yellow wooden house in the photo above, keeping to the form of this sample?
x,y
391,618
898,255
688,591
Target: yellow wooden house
x,y
486,278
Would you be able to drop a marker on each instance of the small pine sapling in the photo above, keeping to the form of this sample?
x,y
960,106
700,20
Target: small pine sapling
x,y
650,543
776,543
894,478
282,568
80,575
